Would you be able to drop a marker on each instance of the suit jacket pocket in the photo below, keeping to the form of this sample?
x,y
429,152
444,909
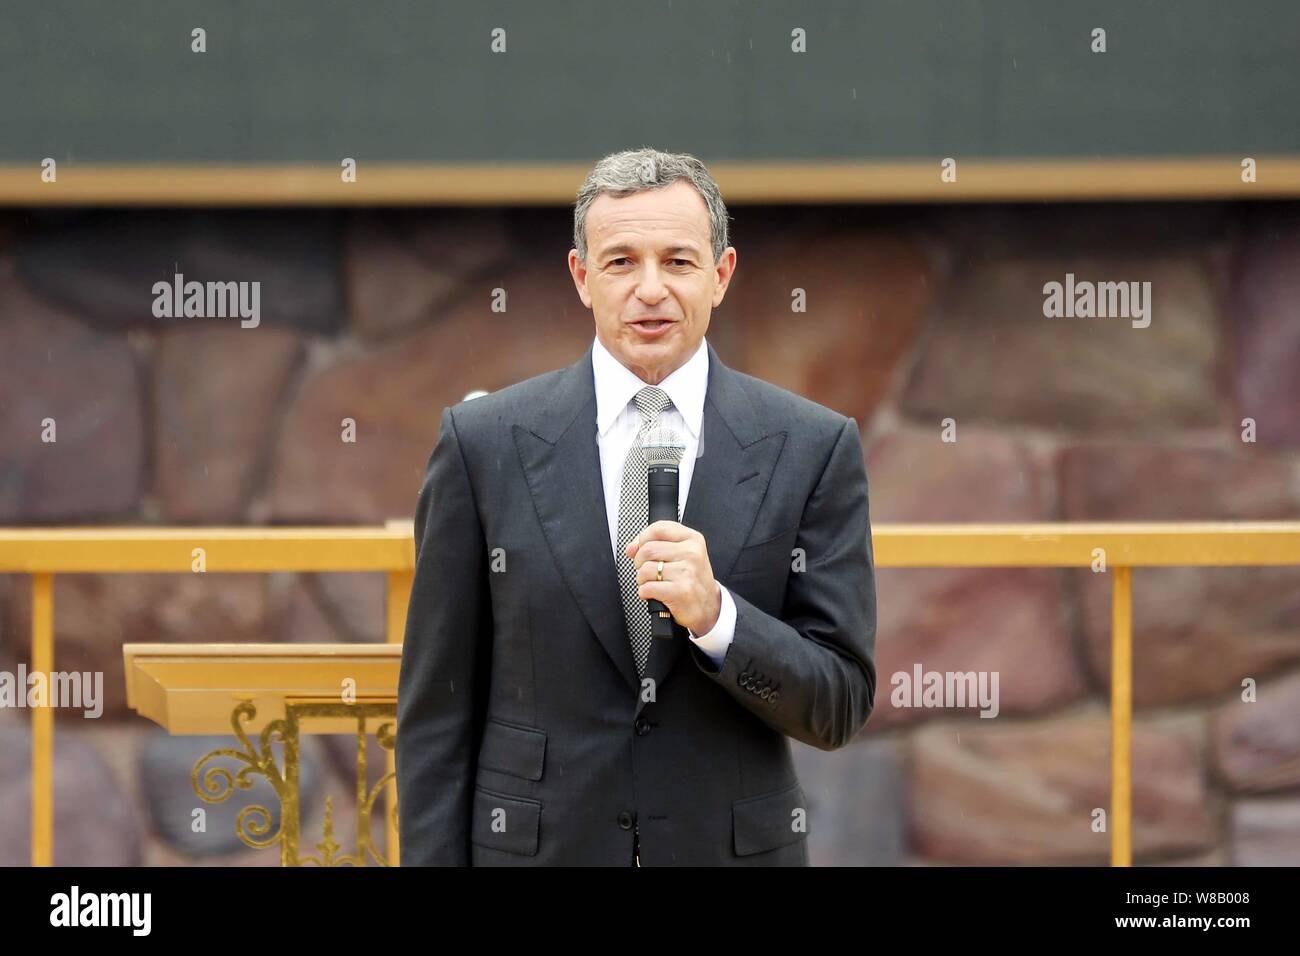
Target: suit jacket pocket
x,y
513,749
503,822
769,820
772,554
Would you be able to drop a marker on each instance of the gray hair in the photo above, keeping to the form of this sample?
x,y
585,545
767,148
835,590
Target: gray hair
x,y
636,170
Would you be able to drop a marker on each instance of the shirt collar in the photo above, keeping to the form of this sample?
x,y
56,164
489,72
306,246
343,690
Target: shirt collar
x,y
617,385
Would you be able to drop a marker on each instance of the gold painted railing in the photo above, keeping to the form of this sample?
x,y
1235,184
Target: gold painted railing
x,y
43,553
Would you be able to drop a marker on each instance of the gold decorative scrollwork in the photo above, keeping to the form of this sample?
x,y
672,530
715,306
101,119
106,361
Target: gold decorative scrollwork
x,y
253,825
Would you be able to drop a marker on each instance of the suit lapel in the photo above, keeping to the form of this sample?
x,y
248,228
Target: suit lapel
x,y
732,471
561,461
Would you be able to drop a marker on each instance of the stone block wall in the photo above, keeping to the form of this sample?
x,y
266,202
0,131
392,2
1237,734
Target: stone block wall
x,y
914,316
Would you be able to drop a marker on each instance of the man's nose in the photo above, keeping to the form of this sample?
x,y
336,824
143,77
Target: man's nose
x,y
651,289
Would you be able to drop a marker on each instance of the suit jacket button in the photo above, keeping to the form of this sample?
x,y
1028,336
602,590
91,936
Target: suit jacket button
x,y
775,695
642,726
625,820
764,692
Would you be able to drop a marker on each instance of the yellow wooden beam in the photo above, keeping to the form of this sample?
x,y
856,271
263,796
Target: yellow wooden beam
x,y
1068,544
31,550
398,599
910,180
1121,717
43,723
1040,544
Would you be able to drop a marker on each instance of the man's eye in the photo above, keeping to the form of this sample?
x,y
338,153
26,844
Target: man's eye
x,y
684,262
620,259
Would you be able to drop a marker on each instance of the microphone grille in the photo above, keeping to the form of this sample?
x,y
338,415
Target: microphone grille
x,y
663,446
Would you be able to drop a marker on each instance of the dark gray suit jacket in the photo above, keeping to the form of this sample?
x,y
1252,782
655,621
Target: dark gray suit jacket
x,y
524,736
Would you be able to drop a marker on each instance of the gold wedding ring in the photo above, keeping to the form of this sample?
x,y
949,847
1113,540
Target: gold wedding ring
x,y
660,575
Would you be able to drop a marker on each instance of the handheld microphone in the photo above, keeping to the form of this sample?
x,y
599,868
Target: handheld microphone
x,y
663,454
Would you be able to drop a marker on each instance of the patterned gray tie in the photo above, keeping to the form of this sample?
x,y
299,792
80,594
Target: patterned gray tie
x,y
633,515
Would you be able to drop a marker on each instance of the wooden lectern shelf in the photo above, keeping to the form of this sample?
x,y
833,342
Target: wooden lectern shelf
x,y
195,688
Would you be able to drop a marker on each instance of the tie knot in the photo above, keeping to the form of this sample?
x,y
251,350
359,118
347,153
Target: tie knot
x,y
650,401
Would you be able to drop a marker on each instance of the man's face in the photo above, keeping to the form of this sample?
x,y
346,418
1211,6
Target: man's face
x,y
650,278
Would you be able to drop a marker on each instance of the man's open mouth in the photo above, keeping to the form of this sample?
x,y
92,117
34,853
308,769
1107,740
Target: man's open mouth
x,y
650,325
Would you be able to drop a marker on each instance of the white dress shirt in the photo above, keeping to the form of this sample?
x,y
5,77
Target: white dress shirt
x,y
617,423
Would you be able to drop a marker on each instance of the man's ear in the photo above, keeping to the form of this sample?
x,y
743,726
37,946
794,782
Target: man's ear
x,y
578,269
723,271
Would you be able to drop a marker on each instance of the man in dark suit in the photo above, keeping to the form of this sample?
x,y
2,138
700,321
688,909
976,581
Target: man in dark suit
x,y
538,721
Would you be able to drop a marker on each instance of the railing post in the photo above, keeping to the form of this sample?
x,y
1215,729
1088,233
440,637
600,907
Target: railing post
x,y
399,597
43,721
1121,717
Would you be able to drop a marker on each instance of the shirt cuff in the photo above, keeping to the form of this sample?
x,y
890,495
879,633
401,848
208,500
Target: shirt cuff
x,y
716,641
